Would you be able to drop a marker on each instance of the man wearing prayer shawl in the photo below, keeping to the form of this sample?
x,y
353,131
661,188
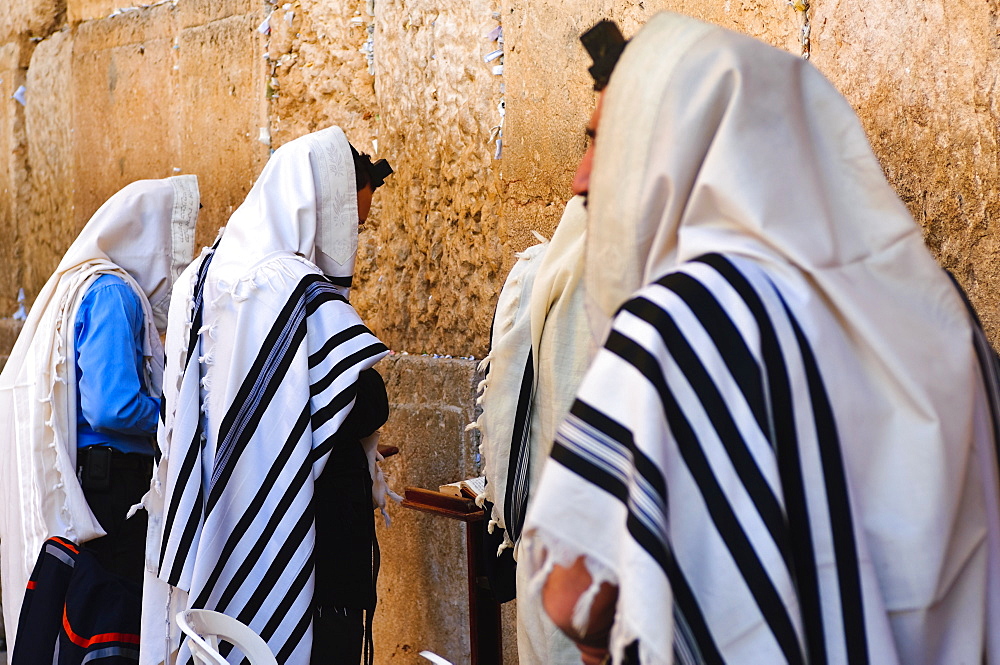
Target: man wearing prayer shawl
x,y
541,345
268,402
85,374
784,452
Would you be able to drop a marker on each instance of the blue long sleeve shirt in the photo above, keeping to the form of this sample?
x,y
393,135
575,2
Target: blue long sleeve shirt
x,y
113,404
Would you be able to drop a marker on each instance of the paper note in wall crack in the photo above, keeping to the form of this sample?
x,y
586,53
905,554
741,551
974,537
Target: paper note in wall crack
x,y
434,658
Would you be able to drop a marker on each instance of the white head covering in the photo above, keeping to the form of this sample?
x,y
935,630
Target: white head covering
x,y
305,202
710,141
145,235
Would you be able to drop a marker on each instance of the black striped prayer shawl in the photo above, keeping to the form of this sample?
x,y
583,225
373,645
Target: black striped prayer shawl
x,y
237,482
701,471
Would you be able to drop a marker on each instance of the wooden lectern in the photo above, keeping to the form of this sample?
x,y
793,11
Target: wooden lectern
x,y
484,610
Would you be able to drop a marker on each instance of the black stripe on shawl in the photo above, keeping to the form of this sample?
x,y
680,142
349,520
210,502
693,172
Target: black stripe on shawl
x,y
264,586
519,461
744,370
257,389
346,363
804,573
335,341
341,281
251,511
729,342
188,464
989,363
191,526
278,616
685,603
265,376
852,606
319,293
199,300
295,637
292,490
322,415
728,526
335,405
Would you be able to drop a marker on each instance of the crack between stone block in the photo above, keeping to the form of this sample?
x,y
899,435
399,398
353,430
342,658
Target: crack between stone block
x,y
802,8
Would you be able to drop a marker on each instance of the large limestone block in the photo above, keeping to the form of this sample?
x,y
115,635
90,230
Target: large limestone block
x,y
125,115
428,268
202,12
158,99
85,10
147,93
36,18
423,591
922,77
220,109
13,171
49,226
194,12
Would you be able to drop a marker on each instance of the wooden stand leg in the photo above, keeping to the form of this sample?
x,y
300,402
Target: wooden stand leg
x,y
484,611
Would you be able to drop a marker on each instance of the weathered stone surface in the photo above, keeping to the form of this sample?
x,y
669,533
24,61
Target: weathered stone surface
x,y
83,10
48,225
125,120
220,109
13,171
9,330
200,12
923,78
139,96
34,18
428,267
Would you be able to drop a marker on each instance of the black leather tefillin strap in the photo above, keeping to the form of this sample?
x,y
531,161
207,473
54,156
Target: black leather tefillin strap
x,y
605,43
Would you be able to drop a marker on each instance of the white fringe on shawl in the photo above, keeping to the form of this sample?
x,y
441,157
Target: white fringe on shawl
x,y
540,309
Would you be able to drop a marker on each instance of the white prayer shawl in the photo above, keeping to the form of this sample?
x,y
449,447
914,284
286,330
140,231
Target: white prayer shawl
x,y
539,351
263,354
145,235
672,483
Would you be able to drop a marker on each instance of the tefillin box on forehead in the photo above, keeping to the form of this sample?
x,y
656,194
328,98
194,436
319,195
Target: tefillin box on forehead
x,y
605,43
379,171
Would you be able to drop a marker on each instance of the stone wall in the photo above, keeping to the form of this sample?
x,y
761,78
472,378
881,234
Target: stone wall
x,y
202,86
193,86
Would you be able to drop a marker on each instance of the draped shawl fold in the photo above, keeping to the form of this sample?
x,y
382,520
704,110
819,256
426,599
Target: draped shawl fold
x,y
539,351
783,453
263,353
145,235
541,345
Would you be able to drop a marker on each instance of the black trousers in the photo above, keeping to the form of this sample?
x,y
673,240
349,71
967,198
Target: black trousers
x,y
123,550
338,636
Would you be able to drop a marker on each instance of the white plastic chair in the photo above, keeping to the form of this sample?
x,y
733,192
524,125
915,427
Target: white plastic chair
x,y
205,628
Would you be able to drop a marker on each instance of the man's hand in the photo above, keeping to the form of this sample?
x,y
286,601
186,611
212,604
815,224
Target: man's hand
x,y
560,595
